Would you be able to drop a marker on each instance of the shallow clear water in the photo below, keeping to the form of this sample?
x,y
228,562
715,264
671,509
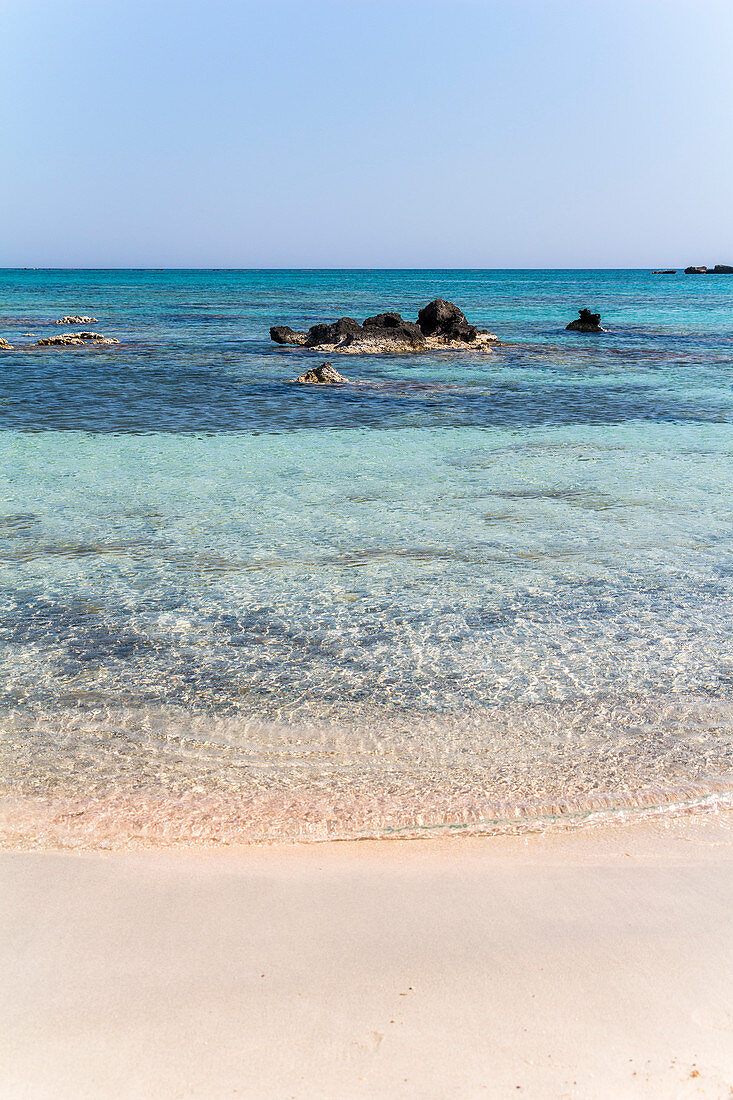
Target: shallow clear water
x,y
476,590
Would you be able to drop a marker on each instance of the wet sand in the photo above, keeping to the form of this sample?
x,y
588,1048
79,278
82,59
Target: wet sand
x,y
596,963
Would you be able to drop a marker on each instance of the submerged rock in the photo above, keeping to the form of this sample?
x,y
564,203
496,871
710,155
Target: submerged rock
x,y
444,319
76,321
696,271
283,334
324,375
5,345
74,339
586,322
666,271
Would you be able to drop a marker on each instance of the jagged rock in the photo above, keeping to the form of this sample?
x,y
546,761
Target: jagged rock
x,y
386,332
666,271
283,334
383,320
5,345
76,321
325,375
696,271
441,318
333,333
586,322
69,339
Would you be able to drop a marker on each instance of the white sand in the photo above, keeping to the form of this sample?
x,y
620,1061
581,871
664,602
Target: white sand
x,y
593,964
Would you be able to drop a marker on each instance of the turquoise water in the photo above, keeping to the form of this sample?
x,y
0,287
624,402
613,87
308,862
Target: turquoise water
x,y
479,591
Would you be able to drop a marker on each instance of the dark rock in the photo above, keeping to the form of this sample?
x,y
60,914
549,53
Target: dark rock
x,y
666,271
69,339
333,333
77,321
283,334
382,321
441,318
388,332
586,322
325,375
719,269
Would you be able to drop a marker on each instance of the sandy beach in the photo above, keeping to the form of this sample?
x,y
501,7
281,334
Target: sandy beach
x,y
588,964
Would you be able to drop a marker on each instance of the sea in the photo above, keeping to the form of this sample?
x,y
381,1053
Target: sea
x,y
466,592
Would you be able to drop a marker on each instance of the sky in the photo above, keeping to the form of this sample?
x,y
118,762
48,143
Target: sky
x,y
372,133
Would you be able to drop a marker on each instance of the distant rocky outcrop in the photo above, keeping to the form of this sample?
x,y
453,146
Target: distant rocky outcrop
x,y
586,322
5,345
71,339
666,271
325,375
81,320
440,324
719,269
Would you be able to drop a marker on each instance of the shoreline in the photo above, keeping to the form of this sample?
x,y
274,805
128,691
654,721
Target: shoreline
x,y
592,963
160,820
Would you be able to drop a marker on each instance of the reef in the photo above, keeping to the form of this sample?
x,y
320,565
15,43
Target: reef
x,y
76,339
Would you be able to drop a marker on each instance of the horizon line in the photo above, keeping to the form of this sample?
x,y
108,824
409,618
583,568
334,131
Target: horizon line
x,y
185,268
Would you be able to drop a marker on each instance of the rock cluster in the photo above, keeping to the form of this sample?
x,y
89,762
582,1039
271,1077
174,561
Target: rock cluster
x,y
586,322
719,269
325,375
5,345
76,321
666,271
69,339
439,325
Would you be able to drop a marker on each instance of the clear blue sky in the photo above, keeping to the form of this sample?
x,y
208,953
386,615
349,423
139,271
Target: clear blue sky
x,y
374,133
